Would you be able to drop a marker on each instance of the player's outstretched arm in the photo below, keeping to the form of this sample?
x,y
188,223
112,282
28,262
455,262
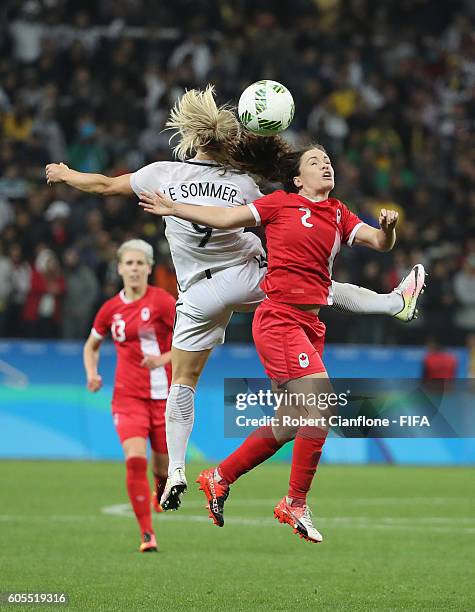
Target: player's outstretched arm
x,y
91,183
91,361
210,216
382,239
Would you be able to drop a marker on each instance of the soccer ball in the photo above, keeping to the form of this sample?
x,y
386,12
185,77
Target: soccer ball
x,y
266,108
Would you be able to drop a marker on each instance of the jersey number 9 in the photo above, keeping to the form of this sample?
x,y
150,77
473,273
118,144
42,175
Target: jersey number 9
x,y
203,230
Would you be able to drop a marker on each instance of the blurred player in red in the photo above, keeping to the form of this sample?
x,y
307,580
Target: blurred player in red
x,y
304,230
140,320
439,363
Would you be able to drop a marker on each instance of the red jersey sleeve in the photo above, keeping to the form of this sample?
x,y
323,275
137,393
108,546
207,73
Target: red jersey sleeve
x,y
350,224
166,303
102,322
265,209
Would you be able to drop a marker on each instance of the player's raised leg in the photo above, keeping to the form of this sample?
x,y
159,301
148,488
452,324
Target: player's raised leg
x,y
400,303
138,489
186,368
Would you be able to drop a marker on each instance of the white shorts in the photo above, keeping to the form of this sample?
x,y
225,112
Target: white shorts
x,y
203,311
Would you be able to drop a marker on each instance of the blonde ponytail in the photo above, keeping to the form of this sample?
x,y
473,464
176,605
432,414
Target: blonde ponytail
x,y
201,124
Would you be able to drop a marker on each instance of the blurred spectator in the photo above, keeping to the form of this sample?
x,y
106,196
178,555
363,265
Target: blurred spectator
x,y
471,357
27,32
370,330
6,213
17,123
80,296
197,52
86,153
42,310
20,287
464,287
439,302
5,288
439,363
57,214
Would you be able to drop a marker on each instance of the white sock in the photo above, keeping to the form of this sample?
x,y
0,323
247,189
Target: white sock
x,y
179,418
351,298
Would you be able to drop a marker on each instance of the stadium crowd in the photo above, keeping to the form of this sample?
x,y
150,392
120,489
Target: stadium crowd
x,y
387,87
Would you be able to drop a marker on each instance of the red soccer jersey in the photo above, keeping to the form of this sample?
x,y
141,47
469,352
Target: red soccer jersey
x,y
303,239
140,327
440,364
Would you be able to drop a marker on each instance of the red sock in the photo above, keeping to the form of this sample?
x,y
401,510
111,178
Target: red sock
x,y
159,485
305,458
138,489
255,449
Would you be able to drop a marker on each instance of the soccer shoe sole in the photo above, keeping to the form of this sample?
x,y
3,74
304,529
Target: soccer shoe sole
x,y
421,276
420,272
218,518
298,528
173,501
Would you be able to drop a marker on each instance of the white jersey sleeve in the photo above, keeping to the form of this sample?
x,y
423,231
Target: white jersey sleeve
x,y
196,249
149,178
250,191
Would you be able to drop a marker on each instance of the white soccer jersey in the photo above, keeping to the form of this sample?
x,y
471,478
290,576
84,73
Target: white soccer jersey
x,y
195,248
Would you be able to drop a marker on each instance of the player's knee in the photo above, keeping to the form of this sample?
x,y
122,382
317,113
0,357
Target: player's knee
x,y
186,374
186,378
131,452
135,446
284,434
187,371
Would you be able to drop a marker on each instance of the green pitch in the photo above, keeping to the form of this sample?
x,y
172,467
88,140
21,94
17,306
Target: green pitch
x,y
395,539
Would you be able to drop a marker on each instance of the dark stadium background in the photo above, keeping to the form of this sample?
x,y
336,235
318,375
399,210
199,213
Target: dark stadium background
x,y
388,88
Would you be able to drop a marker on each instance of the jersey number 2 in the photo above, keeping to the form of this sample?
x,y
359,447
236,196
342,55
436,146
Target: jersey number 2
x,y
118,330
203,230
307,212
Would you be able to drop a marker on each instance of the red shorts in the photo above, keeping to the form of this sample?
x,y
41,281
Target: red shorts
x,y
142,418
289,341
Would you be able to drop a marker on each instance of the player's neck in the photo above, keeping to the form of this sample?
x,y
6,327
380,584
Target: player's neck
x,y
315,196
202,155
132,294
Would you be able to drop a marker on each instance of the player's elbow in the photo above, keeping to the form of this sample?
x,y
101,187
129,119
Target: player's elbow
x,y
388,244
91,346
384,248
227,225
108,188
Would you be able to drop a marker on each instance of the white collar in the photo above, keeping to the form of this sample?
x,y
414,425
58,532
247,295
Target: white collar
x,y
125,299
311,199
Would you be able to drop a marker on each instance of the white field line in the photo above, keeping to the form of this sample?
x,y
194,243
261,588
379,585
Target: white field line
x,y
356,501
439,523
452,525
